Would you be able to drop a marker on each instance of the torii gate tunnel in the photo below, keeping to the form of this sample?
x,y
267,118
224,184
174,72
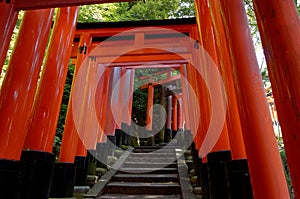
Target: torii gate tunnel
x,y
217,93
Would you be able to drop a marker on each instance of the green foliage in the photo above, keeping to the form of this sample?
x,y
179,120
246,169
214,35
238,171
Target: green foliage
x,y
285,165
265,75
97,12
63,111
139,106
136,10
297,2
252,22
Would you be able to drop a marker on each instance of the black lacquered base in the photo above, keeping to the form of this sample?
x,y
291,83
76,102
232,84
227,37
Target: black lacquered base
x,y
38,174
63,180
81,164
11,178
239,184
217,175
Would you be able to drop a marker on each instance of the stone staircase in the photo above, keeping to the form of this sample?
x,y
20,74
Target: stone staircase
x,y
148,172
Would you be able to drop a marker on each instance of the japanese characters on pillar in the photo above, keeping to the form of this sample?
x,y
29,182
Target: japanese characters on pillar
x,y
88,126
70,138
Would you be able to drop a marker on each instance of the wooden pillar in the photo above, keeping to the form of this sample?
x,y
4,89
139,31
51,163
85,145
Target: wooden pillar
x,y
202,96
169,113
162,121
180,112
102,102
261,147
233,118
132,75
19,86
121,94
70,137
279,27
126,116
174,114
7,23
81,150
110,122
208,42
185,97
196,81
149,113
89,128
42,128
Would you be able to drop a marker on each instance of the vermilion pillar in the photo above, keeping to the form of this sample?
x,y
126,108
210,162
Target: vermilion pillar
x,y
233,118
46,108
201,96
121,94
127,104
168,125
42,127
102,101
162,121
195,81
169,113
185,97
180,112
208,41
19,86
149,113
131,90
7,23
174,114
266,171
88,127
279,27
110,122
84,49
70,136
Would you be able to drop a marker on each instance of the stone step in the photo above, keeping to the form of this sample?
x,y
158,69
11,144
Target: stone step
x,y
120,196
154,154
151,159
142,188
146,178
149,165
149,150
167,146
149,170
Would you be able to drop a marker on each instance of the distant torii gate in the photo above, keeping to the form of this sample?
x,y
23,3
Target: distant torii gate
x,y
29,111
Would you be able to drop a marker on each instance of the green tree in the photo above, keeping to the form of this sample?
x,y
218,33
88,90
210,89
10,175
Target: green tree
x,y
63,110
137,10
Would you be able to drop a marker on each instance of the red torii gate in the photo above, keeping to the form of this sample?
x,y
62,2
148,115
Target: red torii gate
x,y
230,48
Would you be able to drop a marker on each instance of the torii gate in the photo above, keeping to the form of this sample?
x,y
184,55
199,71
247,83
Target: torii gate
x,y
228,42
